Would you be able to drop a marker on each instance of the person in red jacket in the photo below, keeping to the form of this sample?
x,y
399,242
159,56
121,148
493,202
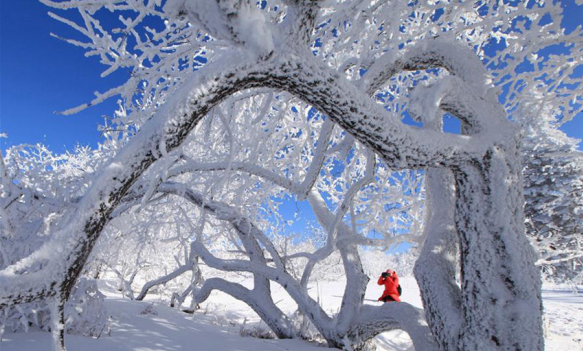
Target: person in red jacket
x,y
391,281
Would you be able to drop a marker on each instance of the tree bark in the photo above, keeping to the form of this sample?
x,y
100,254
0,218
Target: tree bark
x,y
435,269
501,299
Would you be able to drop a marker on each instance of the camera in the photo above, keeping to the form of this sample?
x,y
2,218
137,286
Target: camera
x,y
385,274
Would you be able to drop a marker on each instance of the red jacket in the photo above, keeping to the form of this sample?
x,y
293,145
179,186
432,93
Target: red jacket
x,y
391,283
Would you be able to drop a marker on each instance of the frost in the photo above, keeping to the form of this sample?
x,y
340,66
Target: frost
x,y
233,106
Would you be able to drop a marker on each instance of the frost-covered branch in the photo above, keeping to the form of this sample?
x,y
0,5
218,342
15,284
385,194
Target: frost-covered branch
x,y
164,279
374,320
425,54
261,303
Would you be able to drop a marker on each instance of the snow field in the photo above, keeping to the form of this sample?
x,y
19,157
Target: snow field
x,y
152,326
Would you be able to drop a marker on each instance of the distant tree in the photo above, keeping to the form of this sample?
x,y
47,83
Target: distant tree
x,y
553,166
362,67
554,207
543,93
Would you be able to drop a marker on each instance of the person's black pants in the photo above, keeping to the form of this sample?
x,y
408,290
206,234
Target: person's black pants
x,y
388,298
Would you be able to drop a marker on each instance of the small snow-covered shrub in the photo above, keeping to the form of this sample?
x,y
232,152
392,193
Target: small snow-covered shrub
x,y
306,329
257,331
150,310
21,317
85,312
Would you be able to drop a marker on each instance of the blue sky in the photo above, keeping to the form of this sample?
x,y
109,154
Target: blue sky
x,y
40,74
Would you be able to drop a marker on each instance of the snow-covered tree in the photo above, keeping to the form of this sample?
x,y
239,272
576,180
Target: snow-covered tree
x,y
554,205
542,94
553,189
362,66
39,188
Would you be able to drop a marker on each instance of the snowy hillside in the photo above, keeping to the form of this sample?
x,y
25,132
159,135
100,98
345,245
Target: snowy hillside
x,y
219,324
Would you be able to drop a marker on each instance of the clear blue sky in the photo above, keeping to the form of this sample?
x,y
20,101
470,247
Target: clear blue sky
x,y
40,74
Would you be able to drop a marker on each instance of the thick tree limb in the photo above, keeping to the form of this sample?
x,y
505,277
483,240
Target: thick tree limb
x,y
435,269
261,303
164,279
374,320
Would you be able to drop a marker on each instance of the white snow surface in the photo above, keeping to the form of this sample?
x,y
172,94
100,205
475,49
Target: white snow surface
x,y
152,326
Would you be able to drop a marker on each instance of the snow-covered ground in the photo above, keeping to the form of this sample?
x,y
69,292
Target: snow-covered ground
x,y
563,319
218,324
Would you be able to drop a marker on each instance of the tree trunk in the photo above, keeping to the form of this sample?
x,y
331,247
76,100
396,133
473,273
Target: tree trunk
x,y
501,301
58,323
435,269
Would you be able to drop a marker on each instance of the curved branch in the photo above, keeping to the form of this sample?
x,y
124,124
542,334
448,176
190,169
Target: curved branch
x,y
455,96
455,57
257,265
465,94
401,146
164,279
374,320
261,303
305,303
248,232
164,132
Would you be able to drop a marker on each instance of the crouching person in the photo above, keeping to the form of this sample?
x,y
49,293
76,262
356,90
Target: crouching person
x,y
391,282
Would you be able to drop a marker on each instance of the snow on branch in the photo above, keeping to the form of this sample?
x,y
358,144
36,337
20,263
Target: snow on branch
x,y
373,320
